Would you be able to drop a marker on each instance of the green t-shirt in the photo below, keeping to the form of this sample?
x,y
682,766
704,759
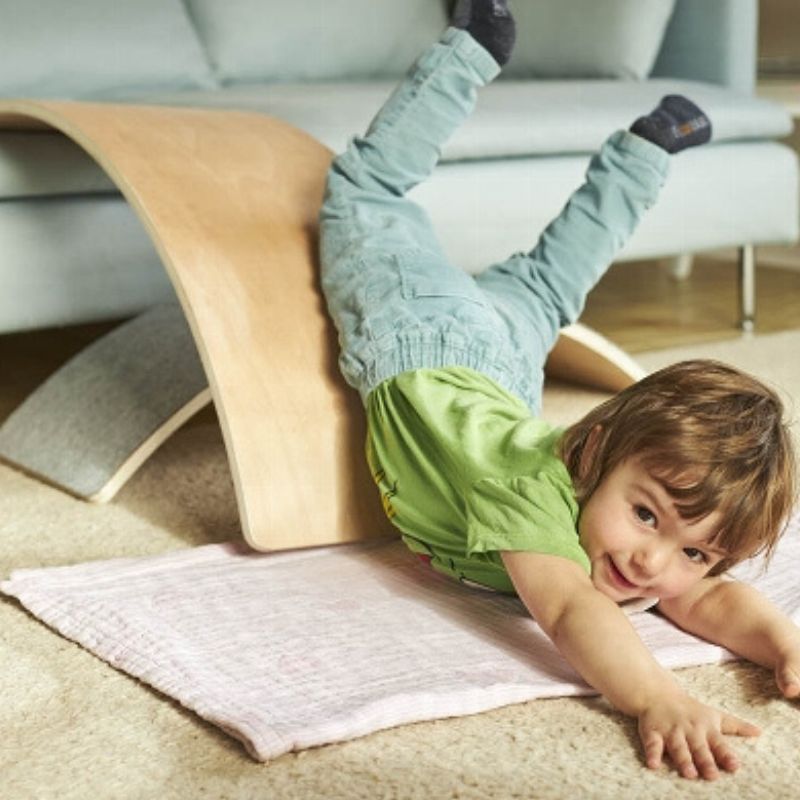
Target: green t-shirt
x,y
466,471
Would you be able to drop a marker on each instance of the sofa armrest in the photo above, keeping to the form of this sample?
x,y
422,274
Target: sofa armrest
x,y
713,41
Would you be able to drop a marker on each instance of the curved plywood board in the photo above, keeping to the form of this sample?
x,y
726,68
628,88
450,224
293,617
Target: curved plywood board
x,y
581,355
230,201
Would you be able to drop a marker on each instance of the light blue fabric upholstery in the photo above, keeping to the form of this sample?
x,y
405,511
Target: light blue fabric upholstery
x,y
587,38
317,39
727,194
55,269
712,40
75,258
88,48
512,118
47,164
504,176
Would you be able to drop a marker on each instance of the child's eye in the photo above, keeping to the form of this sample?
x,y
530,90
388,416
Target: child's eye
x,y
645,515
693,554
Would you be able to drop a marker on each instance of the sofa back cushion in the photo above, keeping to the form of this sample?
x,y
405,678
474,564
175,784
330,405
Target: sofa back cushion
x,y
276,40
87,48
587,38
714,41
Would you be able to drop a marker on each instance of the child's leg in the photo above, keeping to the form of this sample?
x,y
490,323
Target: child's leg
x,y
365,201
395,300
539,292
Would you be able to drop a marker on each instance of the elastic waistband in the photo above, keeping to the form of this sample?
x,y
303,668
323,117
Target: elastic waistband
x,y
437,350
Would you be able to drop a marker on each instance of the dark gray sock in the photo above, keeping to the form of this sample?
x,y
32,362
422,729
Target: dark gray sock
x,y
490,23
675,124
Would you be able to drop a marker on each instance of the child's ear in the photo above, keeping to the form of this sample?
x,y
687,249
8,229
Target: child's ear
x,y
589,450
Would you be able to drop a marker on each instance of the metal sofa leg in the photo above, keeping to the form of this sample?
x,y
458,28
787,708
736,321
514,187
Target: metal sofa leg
x,y
680,266
747,287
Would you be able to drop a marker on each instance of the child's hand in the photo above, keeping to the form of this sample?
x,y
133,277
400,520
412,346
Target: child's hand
x,y
691,734
787,673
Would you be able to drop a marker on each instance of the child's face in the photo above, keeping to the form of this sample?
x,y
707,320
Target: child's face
x,y
637,542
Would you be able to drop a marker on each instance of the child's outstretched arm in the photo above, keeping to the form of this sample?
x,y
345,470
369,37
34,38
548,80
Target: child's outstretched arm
x,y
736,616
595,636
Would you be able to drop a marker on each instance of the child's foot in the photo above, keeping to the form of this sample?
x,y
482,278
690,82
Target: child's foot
x,y
676,123
490,23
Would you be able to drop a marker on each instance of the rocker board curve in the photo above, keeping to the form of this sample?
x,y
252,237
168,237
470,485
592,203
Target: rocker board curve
x,y
230,201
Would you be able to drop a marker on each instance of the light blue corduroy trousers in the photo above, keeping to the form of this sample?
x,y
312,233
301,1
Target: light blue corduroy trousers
x,y
396,301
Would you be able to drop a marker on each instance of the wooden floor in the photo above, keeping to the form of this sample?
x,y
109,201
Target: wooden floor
x,y
637,305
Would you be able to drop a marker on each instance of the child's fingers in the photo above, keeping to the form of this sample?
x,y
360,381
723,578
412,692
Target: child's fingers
x,y
701,756
723,754
692,737
704,760
788,680
681,755
653,749
738,727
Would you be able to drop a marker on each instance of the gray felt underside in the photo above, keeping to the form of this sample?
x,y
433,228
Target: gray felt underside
x,y
81,425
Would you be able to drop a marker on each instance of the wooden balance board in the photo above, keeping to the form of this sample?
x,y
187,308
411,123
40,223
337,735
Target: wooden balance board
x,y
230,201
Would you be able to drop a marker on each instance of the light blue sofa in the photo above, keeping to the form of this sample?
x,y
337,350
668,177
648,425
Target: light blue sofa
x,y
71,250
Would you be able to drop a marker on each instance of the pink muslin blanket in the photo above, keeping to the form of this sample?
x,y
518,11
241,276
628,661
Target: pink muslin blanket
x,y
290,650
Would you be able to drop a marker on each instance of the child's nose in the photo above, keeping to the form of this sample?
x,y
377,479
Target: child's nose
x,y
650,561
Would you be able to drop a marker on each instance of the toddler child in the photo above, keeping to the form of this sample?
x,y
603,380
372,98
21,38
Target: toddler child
x,y
652,496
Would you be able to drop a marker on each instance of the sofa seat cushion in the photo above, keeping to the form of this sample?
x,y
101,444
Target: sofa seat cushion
x,y
719,196
71,259
42,164
512,119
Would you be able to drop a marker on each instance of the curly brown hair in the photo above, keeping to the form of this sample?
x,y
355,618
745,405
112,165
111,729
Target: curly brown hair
x,y
715,437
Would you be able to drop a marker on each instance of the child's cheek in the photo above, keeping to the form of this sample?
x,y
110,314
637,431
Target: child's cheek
x,y
676,585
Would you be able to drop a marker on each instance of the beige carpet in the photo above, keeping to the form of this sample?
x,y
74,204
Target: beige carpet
x,y
72,727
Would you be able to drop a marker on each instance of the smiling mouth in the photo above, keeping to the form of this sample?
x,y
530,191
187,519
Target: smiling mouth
x,y
619,579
